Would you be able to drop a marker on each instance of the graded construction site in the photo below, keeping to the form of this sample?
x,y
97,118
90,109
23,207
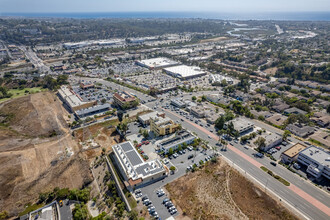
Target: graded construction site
x,y
37,151
217,191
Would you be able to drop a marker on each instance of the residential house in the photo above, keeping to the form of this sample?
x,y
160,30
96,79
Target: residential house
x,y
300,130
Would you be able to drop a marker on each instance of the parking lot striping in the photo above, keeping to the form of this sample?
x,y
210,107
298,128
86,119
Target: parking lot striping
x,y
294,188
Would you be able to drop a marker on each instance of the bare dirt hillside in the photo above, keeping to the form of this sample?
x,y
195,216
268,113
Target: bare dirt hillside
x,y
37,151
219,192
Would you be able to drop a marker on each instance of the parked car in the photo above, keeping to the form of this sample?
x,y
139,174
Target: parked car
x,y
260,155
190,156
273,163
173,212
166,200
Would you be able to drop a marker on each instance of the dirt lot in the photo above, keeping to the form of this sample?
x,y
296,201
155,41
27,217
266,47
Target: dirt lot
x,y
271,71
219,192
37,151
214,39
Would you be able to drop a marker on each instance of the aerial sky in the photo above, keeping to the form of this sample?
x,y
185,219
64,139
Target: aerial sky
x,y
45,6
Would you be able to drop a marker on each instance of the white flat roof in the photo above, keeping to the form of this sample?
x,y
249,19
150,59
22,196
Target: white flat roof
x,y
70,97
185,71
158,62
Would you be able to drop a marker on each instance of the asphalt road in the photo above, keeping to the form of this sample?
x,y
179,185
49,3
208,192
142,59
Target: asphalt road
x,y
65,211
303,205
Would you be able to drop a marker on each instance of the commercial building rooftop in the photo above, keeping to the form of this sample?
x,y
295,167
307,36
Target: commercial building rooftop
x,y
124,96
157,63
294,150
93,109
133,164
184,72
181,137
317,154
72,99
162,121
242,125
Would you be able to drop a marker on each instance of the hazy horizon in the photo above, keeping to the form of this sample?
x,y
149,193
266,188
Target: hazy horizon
x,y
214,6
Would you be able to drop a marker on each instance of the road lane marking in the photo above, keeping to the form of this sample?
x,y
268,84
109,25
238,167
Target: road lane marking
x,y
292,187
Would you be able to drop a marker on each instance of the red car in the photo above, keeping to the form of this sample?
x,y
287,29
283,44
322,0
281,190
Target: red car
x,y
278,148
139,145
147,142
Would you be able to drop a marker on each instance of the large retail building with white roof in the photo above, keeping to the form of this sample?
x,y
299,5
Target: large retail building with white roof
x,y
184,72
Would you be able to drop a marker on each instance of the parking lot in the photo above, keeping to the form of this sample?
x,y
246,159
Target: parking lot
x,y
93,94
156,80
127,69
181,163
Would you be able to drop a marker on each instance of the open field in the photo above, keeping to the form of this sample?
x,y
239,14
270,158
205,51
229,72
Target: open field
x,y
37,151
217,191
22,92
213,39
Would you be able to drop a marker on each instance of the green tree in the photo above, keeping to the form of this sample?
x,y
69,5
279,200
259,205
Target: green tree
x,y
193,98
145,133
80,212
230,128
170,151
133,215
261,117
286,134
172,168
220,122
260,142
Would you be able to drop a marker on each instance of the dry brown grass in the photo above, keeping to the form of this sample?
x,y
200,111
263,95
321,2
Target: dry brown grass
x,y
31,161
271,71
219,192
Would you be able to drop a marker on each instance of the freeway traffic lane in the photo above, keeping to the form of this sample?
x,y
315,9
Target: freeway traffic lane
x,y
296,200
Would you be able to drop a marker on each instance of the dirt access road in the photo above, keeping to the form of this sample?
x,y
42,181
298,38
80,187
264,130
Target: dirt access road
x,y
37,151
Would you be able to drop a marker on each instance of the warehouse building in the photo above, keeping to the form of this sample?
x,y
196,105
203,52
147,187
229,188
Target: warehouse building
x,y
157,63
184,72
135,171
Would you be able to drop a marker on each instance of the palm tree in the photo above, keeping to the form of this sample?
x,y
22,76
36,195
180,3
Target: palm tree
x,y
220,133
